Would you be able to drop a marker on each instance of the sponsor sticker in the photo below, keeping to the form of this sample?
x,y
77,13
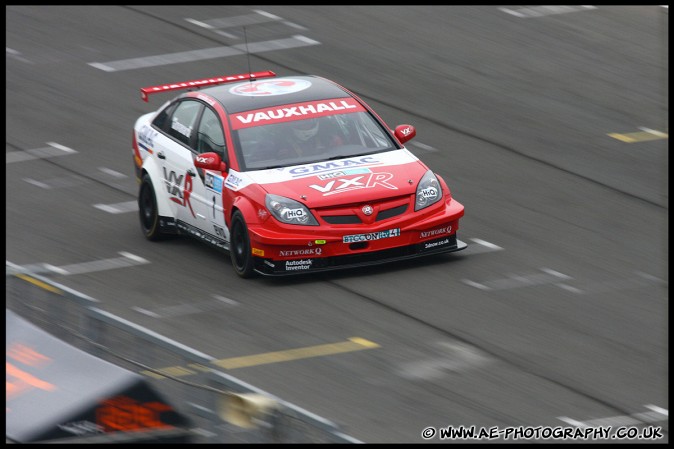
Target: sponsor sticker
x,y
331,166
295,111
346,184
430,192
294,265
294,213
182,129
301,252
436,244
219,231
233,181
371,236
146,137
213,182
340,173
434,232
268,88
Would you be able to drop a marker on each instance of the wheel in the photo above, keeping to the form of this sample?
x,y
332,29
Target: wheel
x,y
147,207
239,247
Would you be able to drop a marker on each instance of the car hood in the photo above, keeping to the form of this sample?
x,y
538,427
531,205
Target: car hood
x,y
355,179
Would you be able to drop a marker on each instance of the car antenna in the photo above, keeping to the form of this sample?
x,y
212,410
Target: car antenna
x,y
245,38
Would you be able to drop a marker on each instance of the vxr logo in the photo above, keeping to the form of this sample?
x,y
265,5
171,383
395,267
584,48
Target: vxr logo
x,y
173,182
347,184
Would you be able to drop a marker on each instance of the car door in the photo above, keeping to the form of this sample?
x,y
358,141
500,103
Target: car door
x,y
179,172
208,192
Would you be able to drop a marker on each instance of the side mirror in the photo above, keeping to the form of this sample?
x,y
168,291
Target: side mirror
x,y
210,161
405,133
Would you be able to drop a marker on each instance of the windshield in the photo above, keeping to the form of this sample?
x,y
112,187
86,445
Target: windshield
x,y
310,140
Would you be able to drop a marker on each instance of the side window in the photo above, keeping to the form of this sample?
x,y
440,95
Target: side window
x,y
161,120
362,129
375,134
210,136
183,120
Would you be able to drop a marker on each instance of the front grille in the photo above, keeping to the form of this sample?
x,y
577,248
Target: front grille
x,y
389,213
355,219
342,219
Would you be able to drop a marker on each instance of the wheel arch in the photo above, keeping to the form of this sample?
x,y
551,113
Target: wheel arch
x,y
247,209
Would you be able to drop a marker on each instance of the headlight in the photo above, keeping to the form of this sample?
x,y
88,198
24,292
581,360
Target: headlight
x,y
289,211
428,191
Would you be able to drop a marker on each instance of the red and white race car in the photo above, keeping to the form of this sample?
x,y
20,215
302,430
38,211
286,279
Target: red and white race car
x,y
289,175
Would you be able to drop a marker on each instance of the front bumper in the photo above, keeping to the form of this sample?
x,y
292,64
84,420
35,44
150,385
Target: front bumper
x,y
271,267
278,253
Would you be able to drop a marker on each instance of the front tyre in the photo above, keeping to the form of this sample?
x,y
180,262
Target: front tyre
x,y
239,247
148,212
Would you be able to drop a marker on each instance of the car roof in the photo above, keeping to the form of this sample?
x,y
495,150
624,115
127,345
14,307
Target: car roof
x,y
319,89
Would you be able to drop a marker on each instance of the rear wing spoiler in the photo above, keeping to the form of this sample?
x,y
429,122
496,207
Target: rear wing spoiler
x,y
145,92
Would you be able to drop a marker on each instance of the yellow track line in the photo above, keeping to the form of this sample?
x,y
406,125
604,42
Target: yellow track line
x,y
40,284
353,344
642,136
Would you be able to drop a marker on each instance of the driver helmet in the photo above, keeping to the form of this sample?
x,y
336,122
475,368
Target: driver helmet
x,y
305,129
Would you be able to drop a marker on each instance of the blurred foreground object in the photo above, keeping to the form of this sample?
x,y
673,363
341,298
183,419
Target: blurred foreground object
x,y
55,391
248,410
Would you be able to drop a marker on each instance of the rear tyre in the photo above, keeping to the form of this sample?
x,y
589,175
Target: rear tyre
x,y
239,247
148,212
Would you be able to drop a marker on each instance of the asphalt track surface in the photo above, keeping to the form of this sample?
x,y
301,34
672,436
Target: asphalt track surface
x,y
549,125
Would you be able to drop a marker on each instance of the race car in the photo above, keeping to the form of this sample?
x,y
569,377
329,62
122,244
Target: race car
x,y
289,175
